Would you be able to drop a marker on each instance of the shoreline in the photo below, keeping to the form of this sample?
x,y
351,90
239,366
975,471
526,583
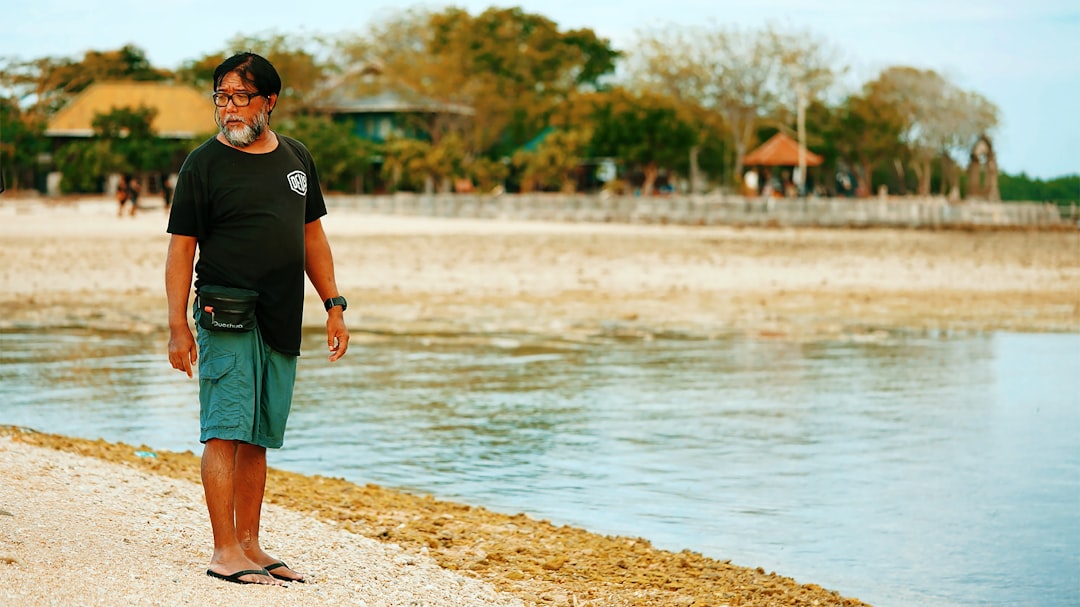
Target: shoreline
x,y
503,558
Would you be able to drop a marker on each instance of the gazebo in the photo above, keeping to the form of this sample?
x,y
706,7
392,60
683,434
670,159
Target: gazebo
x,y
780,151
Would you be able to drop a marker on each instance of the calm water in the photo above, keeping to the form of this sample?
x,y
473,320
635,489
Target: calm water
x,y
908,470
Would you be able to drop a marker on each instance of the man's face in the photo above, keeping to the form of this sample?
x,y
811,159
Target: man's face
x,y
242,126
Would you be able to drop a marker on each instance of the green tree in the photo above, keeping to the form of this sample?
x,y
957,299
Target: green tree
x,y
1062,190
341,157
83,165
645,131
553,164
866,134
123,142
405,164
512,68
303,75
487,174
22,139
129,133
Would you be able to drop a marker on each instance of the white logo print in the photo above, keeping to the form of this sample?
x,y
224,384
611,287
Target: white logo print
x,y
298,182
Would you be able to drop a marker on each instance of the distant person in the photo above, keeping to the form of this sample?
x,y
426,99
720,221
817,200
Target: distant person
x,y
167,186
845,186
131,190
249,200
750,183
121,195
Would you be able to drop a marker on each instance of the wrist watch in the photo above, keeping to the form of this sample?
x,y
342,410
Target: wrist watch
x,y
336,301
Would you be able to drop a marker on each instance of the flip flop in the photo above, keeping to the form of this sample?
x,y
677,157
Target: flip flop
x,y
271,567
235,578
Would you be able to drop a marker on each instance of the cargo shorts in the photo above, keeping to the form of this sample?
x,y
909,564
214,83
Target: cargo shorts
x,y
245,387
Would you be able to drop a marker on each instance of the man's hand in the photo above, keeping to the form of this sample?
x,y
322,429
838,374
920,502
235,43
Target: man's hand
x,y
337,336
182,351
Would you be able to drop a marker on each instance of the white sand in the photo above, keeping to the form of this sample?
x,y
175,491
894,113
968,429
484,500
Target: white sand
x,y
76,530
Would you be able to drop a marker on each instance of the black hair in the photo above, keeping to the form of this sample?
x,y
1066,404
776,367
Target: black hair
x,y
253,69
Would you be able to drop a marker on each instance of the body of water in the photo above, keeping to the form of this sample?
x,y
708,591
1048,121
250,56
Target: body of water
x,y
908,469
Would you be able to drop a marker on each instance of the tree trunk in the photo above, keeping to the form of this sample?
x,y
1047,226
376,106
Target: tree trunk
x,y
866,183
743,134
651,171
800,182
923,173
951,175
994,194
694,174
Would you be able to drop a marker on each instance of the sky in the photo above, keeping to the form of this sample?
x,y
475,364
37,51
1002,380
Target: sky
x,y
1024,56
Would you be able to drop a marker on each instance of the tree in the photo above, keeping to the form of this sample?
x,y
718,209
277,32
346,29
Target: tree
x,y
124,142
487,174
553,164
745,76
939,120
44,85
22,139
341,157
866,134
646,131
409,164
84,165
512,68
1062,190
302,74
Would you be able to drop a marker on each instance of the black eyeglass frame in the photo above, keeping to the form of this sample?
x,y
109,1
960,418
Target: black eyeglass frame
x,y
234,97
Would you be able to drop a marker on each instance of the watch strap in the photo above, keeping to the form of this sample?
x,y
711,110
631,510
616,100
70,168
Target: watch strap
x,y
336,301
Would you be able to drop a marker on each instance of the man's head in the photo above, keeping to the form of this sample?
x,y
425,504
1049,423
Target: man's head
x,y
246,88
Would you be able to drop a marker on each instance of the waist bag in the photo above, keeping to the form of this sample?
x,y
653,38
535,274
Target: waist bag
x,y
226,308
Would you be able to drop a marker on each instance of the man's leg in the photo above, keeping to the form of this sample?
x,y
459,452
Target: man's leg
x,y
219,477
250,489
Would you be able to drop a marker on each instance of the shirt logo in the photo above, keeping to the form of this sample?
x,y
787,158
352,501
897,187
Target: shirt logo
x,y
298,182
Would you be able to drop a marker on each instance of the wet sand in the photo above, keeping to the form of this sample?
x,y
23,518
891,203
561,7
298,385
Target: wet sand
x,y
77,264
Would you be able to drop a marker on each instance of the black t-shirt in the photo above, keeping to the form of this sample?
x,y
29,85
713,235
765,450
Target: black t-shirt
x,y
248,212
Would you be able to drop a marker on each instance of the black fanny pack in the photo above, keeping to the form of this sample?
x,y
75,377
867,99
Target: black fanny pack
x,y
226,308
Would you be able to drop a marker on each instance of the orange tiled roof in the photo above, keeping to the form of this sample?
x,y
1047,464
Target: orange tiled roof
x,y
780,150
182,111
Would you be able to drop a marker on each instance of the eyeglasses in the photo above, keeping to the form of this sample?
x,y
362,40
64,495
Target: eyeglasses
x,y
238,99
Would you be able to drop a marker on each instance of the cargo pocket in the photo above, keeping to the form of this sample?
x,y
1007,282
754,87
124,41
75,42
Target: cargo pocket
x,y
221,392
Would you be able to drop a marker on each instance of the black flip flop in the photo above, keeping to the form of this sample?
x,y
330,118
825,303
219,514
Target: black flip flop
x,y
235,578
271,567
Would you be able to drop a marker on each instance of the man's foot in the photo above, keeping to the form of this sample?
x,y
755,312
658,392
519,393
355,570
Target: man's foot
x,y
246,576
275,567
282,572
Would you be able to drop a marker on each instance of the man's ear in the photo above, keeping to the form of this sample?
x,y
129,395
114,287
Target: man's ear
x,y
272,100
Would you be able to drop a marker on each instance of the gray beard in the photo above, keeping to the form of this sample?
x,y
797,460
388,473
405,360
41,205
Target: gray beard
x,y
245,136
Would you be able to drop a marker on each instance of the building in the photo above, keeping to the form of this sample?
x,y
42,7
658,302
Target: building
x,y
181,113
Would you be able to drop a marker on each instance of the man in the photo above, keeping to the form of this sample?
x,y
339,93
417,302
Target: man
x,y
249,200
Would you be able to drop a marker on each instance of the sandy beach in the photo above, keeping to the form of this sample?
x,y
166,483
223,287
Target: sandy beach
x,y
77,263
84,522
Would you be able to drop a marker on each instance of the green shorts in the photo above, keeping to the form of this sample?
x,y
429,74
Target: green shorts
x,y
245,387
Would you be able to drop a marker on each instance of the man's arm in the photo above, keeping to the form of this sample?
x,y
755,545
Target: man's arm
x,y
178,271
319,265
